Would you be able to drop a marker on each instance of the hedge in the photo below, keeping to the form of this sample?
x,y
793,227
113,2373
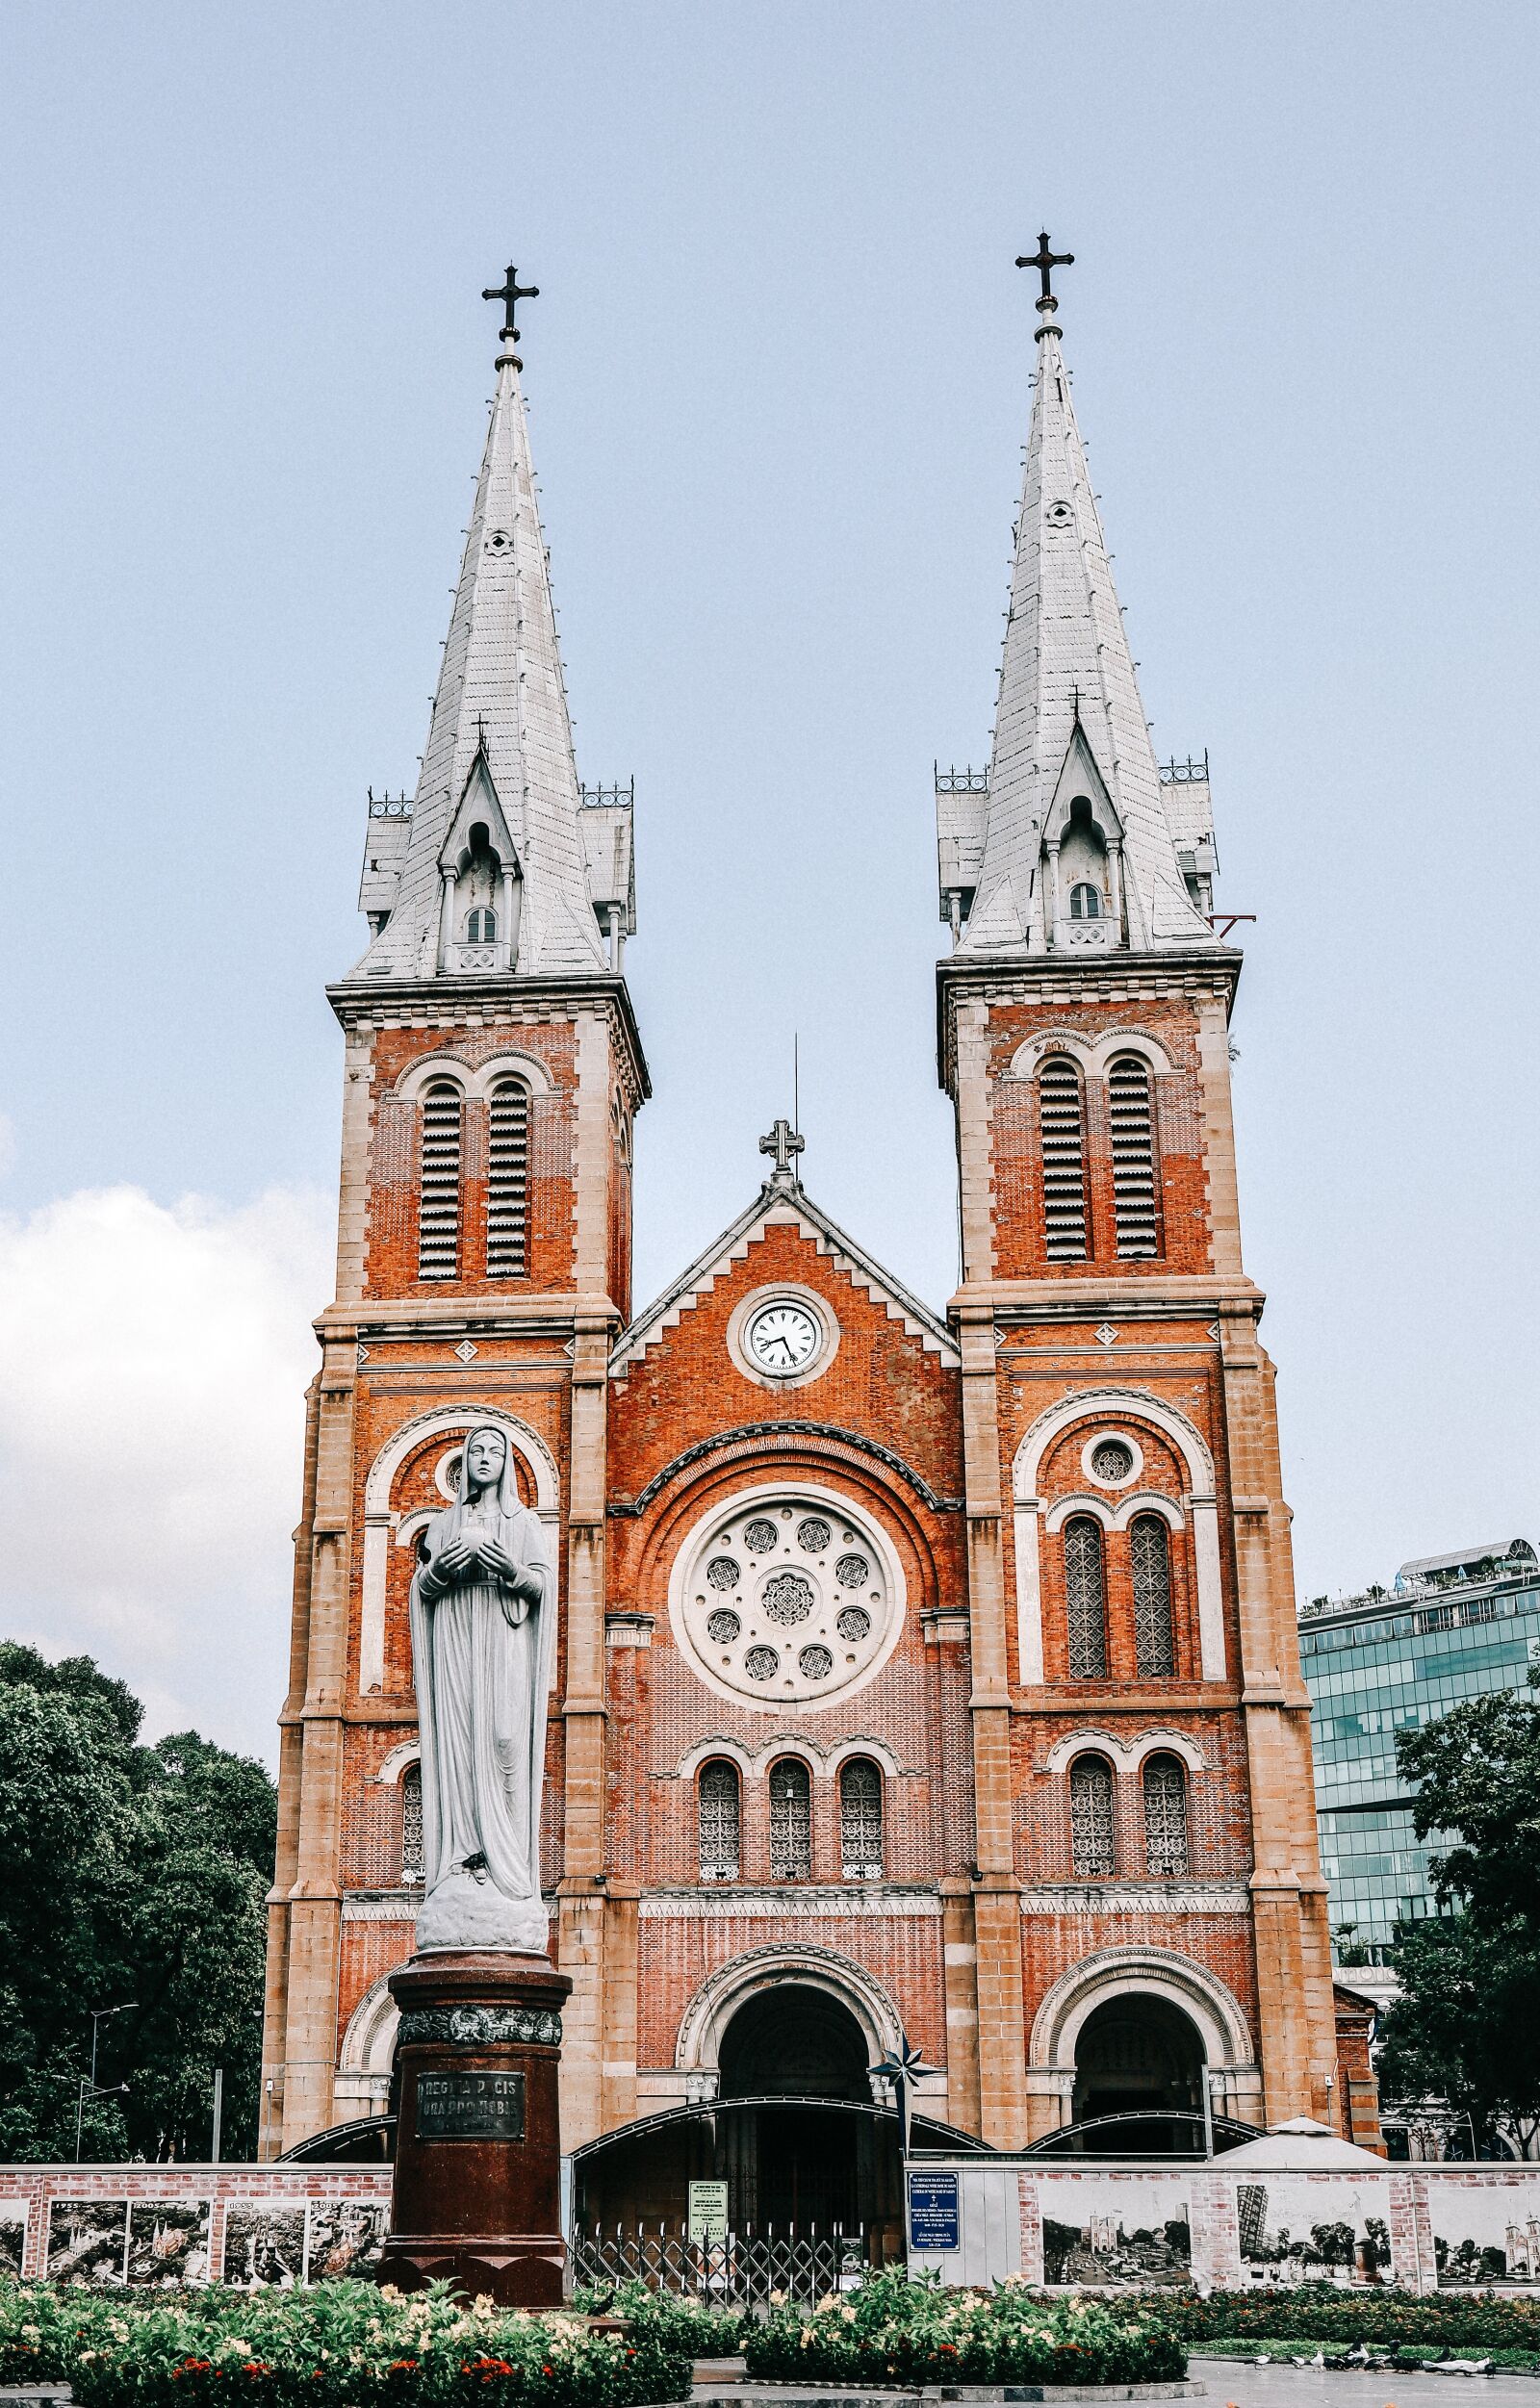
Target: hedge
x,y
339,2345
897,2329
1380,2316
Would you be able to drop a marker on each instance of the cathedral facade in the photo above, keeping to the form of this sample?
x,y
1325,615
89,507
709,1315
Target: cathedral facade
x,y
926,1676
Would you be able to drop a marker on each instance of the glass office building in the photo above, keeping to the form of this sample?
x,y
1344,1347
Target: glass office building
x,y
1453,1627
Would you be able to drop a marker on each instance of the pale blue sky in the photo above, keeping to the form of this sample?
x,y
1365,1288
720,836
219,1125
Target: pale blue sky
x,y
778,374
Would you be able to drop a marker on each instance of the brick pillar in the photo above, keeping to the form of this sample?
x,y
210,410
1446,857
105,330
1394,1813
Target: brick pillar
x,y
996,1905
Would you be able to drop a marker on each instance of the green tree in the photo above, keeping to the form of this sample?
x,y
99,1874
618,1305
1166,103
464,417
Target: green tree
x,y
127,1872
1463,2027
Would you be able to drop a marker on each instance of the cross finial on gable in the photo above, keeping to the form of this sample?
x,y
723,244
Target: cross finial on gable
x,y
783,1142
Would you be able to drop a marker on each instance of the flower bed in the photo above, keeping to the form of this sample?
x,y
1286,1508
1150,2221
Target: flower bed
x,y
1320,2312
341,2344
897,2330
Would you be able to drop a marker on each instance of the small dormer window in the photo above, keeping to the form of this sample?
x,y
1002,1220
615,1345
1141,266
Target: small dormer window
x,y
481,928
1085,903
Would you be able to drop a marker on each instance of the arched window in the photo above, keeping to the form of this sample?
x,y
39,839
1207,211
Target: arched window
x,y
412,1825
438,1222
1135,1201
720,1821
1085,1599
1085,903
1092,1838
1150,1548
860,1821
790,1821
481,928
508,1181
1164,1818
1062,1129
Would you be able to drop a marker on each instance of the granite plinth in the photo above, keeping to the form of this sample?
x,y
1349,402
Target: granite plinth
x,y
478,2189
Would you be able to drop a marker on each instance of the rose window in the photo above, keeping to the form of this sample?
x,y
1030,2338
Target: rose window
x,y
787,1599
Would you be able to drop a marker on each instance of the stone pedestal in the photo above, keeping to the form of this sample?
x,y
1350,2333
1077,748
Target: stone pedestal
x,y
477,2193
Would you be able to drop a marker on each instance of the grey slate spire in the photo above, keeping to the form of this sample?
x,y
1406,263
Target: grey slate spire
x,y
499,717
1067,684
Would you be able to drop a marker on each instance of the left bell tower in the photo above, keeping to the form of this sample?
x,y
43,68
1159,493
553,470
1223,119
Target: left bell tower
x,y
492,1076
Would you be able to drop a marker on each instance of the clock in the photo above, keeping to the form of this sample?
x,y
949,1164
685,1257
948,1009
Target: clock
x,y
782,1337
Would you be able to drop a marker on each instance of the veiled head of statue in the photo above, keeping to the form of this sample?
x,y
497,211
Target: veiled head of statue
x,y
486,1469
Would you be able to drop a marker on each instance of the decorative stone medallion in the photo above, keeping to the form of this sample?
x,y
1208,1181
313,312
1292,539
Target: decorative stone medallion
x,y
788,1596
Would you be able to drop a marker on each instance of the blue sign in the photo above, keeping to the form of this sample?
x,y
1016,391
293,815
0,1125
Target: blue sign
x,y
934,2217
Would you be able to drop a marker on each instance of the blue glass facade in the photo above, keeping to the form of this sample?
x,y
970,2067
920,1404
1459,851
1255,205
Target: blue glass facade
x,y
1374,1667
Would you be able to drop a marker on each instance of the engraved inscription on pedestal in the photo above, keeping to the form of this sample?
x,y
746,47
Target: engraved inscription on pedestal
x,y
469,2107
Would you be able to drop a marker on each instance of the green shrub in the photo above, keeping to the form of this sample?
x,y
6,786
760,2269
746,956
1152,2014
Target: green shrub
x,y
689,2324
896,2329
1463,2321
341,2344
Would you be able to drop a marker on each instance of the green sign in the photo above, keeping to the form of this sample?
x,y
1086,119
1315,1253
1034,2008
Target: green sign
x,y
708,2213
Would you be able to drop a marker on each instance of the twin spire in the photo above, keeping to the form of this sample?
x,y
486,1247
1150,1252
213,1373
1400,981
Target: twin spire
x,y
1071,751
491,873
499,751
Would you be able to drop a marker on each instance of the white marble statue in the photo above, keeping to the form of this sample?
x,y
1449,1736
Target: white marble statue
x,y
483,1628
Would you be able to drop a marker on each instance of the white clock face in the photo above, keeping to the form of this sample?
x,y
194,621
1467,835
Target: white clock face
x,y
783,1337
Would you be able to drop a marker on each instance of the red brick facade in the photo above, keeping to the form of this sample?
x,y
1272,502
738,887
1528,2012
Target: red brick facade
x,y
1034,1788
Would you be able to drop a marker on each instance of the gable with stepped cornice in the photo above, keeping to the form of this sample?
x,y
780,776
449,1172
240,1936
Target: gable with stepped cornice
x,y
780,1207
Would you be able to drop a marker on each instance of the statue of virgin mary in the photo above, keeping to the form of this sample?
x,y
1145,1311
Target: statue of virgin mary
x,y
483,1628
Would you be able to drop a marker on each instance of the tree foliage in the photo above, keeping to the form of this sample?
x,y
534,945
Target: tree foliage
x,y
127,1872
1463,2027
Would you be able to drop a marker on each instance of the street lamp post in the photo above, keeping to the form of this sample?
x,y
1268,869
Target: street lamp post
x,y
89,2090
901,2068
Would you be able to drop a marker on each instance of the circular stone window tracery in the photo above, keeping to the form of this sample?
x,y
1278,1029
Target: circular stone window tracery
x,y
787,1597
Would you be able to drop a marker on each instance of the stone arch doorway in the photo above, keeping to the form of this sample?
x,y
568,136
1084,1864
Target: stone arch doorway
x,y
1139,2053
799,2166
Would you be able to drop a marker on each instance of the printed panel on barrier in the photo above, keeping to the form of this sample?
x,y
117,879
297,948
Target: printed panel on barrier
x,y
1485,2231
1117,2230
345,2238
264,2243
13,2237
1312,2228
168,2241
87,2241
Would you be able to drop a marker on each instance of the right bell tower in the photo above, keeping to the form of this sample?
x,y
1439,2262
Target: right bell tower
x,y
1146,1859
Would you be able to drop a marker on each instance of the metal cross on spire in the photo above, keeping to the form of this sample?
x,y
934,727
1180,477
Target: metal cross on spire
x,y
783,1142
510,293
1046,261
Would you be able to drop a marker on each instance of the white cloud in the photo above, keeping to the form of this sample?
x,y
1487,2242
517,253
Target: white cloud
x,y
151,1431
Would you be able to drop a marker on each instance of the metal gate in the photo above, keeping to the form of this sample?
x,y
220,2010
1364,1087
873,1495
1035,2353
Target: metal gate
x,y
741,2271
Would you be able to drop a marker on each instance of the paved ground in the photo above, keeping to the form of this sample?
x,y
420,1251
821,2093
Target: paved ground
x,y
1234,2385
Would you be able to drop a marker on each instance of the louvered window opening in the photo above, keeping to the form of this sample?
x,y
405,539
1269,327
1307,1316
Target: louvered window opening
x,y
508,1182
412,1825
1092,1843
1150,1548
438,1225
1062,1129
860,1821
790,1821
1131,1108
721,1828
1085,1597
1164,1818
